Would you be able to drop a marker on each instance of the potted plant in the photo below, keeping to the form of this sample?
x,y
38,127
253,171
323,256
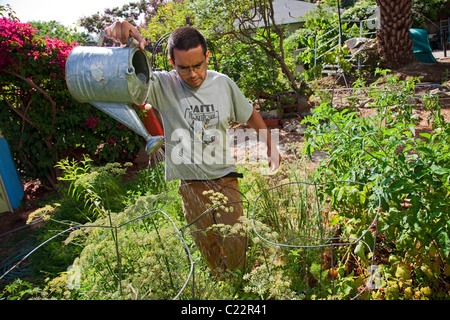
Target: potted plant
x,y
271,117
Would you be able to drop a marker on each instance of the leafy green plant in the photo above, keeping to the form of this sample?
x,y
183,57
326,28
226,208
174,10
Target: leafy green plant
x,y
99,187
19,290
409,169
87,193
150,264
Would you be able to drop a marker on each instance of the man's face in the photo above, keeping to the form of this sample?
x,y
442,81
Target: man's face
x,y
191,65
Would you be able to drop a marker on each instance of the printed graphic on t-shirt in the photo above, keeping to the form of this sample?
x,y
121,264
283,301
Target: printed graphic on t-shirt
x,y
204,121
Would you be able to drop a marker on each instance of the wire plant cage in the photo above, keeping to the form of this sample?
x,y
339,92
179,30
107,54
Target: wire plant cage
x,y
301,233
304,227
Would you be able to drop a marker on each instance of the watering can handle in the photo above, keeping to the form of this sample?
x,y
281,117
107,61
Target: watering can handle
x,y
101,38
131,40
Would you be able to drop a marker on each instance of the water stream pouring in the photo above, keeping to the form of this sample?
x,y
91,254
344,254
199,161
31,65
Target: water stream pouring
x,y
112,79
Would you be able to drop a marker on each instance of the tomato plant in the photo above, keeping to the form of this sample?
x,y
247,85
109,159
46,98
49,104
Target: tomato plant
x,y
410,171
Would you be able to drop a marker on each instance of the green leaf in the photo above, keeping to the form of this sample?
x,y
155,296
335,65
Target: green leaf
x,y
413,130
439,170
425,135
444,241
398,184
424,150
362,197
415,204
359,250
334,220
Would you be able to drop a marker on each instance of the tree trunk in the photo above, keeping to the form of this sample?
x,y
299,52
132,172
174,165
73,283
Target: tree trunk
x,y
396,45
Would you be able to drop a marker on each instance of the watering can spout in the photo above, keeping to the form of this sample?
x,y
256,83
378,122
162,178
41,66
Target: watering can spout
x,y
128,117
154,144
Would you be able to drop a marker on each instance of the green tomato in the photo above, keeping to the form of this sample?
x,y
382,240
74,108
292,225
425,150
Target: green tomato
x,y
403,273
426,291
393,259
409,293
427,271
391,292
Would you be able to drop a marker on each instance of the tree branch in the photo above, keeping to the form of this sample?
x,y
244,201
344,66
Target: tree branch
x,y
35,86
16,110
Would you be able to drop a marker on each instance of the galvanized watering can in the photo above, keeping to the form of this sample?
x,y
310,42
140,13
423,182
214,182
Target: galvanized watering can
x,y
111,79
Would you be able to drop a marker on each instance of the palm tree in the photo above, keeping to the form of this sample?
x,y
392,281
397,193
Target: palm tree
x,y
396,46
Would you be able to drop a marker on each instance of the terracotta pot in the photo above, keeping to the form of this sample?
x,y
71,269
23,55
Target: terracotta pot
x,y
270,123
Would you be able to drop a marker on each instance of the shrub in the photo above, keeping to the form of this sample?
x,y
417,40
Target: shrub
x,y
38,116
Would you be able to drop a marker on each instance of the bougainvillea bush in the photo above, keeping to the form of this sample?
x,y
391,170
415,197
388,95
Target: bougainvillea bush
x,y
39,118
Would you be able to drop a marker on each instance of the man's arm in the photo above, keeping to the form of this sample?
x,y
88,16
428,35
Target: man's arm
x,y
256,122
122,31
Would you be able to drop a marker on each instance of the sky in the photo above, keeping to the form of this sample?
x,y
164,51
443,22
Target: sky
x,y
66,12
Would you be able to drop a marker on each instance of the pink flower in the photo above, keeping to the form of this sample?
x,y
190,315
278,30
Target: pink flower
x,y
14,38
92,122
62,49
17,37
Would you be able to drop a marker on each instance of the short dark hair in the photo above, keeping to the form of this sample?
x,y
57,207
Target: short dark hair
x,y
185,38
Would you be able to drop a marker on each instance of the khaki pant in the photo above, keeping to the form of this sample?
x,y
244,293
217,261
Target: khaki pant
x,y
220,251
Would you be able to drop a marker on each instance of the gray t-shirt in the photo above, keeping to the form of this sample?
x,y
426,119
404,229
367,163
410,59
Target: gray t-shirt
x,y
196,123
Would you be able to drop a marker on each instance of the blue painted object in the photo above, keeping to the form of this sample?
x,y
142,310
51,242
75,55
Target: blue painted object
x,y
9,175
421,46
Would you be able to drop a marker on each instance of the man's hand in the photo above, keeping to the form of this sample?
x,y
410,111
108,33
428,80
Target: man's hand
x,y
122,31
274,158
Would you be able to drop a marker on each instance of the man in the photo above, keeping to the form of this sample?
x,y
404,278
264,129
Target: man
x,y
196,105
